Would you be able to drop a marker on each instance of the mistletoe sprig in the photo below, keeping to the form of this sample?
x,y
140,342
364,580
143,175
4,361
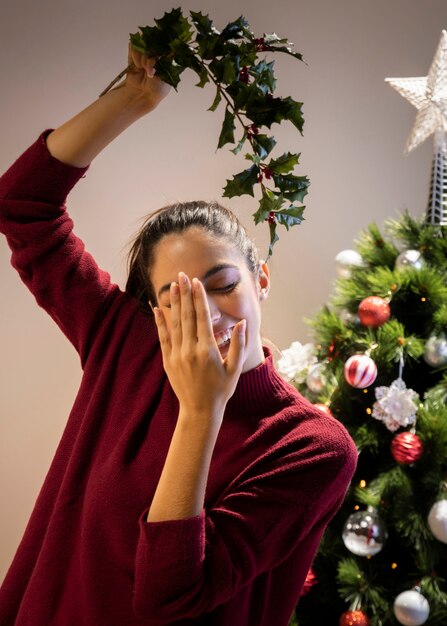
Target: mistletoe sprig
x,y
245,84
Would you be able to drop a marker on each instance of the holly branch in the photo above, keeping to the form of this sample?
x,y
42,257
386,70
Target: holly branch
x,y
245,84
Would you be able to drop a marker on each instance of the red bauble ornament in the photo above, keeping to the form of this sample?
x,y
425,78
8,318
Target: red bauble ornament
x,y
324,408
374,311
406,448
354,618
310,581
360,371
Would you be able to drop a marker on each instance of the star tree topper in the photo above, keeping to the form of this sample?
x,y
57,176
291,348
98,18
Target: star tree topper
x,y
429,95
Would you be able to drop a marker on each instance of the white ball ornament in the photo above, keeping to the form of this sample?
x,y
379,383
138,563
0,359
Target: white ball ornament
x,y
316,379
360,371
411,608
409,259
435,353
345,260
437,520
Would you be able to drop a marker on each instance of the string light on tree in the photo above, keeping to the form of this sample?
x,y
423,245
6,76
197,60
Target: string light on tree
x,y
411,608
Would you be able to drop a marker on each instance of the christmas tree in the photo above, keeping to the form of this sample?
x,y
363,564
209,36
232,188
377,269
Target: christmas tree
x,y
378,363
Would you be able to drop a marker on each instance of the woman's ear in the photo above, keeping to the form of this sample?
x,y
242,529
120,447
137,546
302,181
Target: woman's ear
x,y
263,280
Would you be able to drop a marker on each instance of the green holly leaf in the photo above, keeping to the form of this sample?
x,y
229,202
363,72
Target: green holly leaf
x,y
270,202
227,132
293,188
265,110
291,216
273,238
242,183
216,101
284,164
225,70
263,145
276,44
235,29
175,25
168,71
202,22
210,46
273,39
152,41
264,77
239,146
137,42
204,78
292,111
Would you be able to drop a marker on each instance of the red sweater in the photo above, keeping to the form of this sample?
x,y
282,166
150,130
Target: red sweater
x,y
279,471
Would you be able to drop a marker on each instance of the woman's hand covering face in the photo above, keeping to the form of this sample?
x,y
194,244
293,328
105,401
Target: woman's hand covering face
x,y
201,378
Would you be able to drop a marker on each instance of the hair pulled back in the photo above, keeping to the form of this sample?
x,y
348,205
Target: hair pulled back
x,y
176,218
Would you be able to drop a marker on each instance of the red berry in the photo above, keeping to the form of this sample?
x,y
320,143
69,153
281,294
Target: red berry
x,y
252,129
260,177
261,45
268,173
271,218
244,76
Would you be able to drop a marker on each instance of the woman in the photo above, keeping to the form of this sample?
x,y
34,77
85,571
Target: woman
x,y
192,484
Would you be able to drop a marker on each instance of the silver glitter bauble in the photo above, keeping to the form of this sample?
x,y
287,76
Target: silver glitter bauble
x,y
435,353
411,608
364,533
409,259
437,520
345,260
316,379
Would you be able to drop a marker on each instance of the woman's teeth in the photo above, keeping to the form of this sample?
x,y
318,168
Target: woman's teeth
x,y
223,338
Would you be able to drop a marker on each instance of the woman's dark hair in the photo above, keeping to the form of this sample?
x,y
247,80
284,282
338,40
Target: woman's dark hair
x,y
176,218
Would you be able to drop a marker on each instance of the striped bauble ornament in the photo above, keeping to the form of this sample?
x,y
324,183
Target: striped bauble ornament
x,y
360,371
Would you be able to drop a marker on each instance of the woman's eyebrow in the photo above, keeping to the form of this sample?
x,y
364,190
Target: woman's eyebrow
x,y
216,268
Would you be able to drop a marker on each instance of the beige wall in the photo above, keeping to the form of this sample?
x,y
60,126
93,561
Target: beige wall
x,y
56,56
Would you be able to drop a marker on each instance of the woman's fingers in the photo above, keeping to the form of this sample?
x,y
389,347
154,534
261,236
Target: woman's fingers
x,y
141,61
163,334
187,314
235,356
204,325
176,316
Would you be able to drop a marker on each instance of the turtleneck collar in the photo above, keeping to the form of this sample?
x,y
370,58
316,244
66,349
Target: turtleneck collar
x,y
260,386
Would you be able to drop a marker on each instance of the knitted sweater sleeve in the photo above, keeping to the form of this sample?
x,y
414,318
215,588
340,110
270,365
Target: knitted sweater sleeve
x,y
49,258
185,568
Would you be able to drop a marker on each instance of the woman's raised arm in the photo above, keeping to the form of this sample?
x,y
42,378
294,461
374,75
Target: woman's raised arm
x,y
80,139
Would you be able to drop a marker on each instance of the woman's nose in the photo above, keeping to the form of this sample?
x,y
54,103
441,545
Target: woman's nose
x,y
215,312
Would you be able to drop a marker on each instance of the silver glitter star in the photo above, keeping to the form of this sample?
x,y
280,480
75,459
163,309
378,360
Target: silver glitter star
x,y
429,95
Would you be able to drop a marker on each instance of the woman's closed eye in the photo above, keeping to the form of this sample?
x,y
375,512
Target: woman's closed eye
x,y
227,289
